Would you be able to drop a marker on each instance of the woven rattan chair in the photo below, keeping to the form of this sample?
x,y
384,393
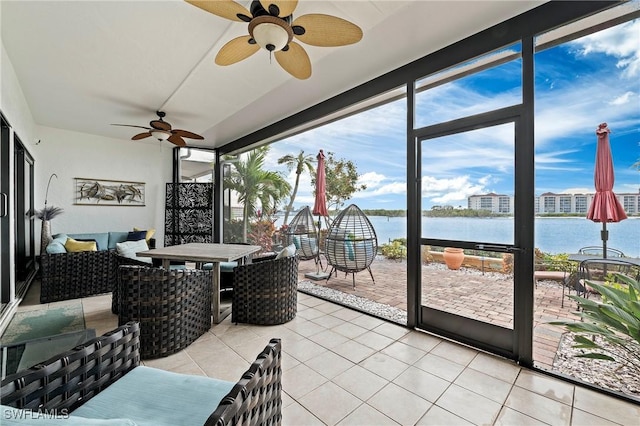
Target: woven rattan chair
x,y
351,244
303,234
172,306
265,292
67,381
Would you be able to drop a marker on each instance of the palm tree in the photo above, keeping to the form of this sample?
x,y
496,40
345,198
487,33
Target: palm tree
x,y
255,186
299,162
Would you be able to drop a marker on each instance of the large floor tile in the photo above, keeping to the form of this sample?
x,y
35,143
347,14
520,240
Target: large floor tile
x,y
366,415
374,340
300,380
399,404
303,350
539,407
454,352
440,367
423,384
485,385
403,352
502,369
353,351
546,386
509,417
469,405
360,382
441,417
606,406
330,403
421,340
296,415
384,366
329,364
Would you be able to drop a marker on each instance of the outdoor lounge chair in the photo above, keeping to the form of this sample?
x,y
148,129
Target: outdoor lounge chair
x,y
351,244
303,234
266,292
172,306
102,382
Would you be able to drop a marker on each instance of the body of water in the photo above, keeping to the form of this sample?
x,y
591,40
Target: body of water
x,y
553,235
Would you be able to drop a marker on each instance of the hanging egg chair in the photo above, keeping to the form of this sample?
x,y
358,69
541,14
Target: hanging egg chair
x,y
351,244
303,234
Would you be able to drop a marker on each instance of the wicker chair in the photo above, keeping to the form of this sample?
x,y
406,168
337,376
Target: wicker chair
x,y
172,306
303,234
351,244
70,379
265,292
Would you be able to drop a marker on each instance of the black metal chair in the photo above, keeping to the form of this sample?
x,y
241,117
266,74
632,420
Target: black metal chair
x,y
598,251
601,271
351,244
172,306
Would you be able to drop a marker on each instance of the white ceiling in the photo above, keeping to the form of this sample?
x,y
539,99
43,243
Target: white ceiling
x,y
85,64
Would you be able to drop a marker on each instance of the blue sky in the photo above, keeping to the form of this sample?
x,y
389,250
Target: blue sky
x,y
578,85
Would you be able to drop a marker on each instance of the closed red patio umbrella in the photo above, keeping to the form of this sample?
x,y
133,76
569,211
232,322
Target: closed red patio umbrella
x,y
320,208
605,206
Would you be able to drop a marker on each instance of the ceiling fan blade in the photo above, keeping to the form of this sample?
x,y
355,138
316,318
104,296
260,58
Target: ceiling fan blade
x,y
130,125
285,7
160,125
224,8
326,30
186,134
141,136
236,50
177,140
295,61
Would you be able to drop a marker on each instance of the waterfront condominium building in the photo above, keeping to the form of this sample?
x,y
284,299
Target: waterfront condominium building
x,y
551,203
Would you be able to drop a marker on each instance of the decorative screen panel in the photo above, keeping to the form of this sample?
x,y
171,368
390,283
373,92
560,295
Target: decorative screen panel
x,y
188,213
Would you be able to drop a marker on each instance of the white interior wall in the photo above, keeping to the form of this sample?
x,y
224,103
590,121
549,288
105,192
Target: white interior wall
x,y
73,155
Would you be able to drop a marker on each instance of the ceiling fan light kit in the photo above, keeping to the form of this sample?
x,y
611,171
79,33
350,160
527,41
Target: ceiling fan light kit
x,y
161,135
272,27
270,33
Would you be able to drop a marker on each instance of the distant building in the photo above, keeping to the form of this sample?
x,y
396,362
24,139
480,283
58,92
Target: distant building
x,y
551,203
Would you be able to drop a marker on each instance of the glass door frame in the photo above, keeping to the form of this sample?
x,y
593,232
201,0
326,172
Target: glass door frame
x,y
516,343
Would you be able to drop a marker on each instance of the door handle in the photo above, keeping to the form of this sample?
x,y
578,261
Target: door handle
x,y
491,247
3,204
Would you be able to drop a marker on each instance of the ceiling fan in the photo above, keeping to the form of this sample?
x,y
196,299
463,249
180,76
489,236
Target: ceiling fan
x,y
162,131
272,27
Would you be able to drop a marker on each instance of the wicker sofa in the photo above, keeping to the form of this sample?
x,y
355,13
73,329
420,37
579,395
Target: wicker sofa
x,y
100,382
74,275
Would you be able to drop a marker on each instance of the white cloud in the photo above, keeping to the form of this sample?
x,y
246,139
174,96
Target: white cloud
x,y
621,42
452,191
623,99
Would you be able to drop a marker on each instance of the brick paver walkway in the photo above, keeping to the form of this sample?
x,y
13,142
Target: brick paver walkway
x,y
466,292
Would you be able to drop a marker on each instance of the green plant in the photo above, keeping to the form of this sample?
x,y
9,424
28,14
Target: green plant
x,y
609,330
394,250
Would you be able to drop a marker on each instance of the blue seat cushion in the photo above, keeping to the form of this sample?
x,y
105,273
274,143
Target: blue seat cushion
x,y
224,266
154,397
117,237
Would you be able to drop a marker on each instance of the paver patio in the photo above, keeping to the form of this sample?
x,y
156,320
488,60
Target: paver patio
x,y
467,292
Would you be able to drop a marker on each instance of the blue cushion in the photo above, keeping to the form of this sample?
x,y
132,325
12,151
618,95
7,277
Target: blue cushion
x,y
224,266
102,239
349,246
296,241
117,237
168,398
55,247
15,416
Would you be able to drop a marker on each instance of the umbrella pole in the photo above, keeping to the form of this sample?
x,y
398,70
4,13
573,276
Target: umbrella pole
x,y
604,234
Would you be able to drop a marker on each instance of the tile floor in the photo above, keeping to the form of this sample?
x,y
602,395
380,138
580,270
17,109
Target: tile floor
x,y
341,367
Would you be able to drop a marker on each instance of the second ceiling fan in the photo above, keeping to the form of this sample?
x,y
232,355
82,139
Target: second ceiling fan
x,y
272,27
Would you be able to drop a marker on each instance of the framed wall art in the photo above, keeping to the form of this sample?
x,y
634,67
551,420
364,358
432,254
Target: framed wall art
x,y
102,192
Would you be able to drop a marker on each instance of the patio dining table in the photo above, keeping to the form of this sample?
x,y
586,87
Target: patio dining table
x,y
582,257
205,253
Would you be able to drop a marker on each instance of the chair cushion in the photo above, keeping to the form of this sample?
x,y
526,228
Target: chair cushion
x,y
130,248
55,247
168,398
289,250
150,233
115,238
137,236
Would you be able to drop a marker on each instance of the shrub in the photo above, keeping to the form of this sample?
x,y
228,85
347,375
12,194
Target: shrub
x,y
394,250
616,321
